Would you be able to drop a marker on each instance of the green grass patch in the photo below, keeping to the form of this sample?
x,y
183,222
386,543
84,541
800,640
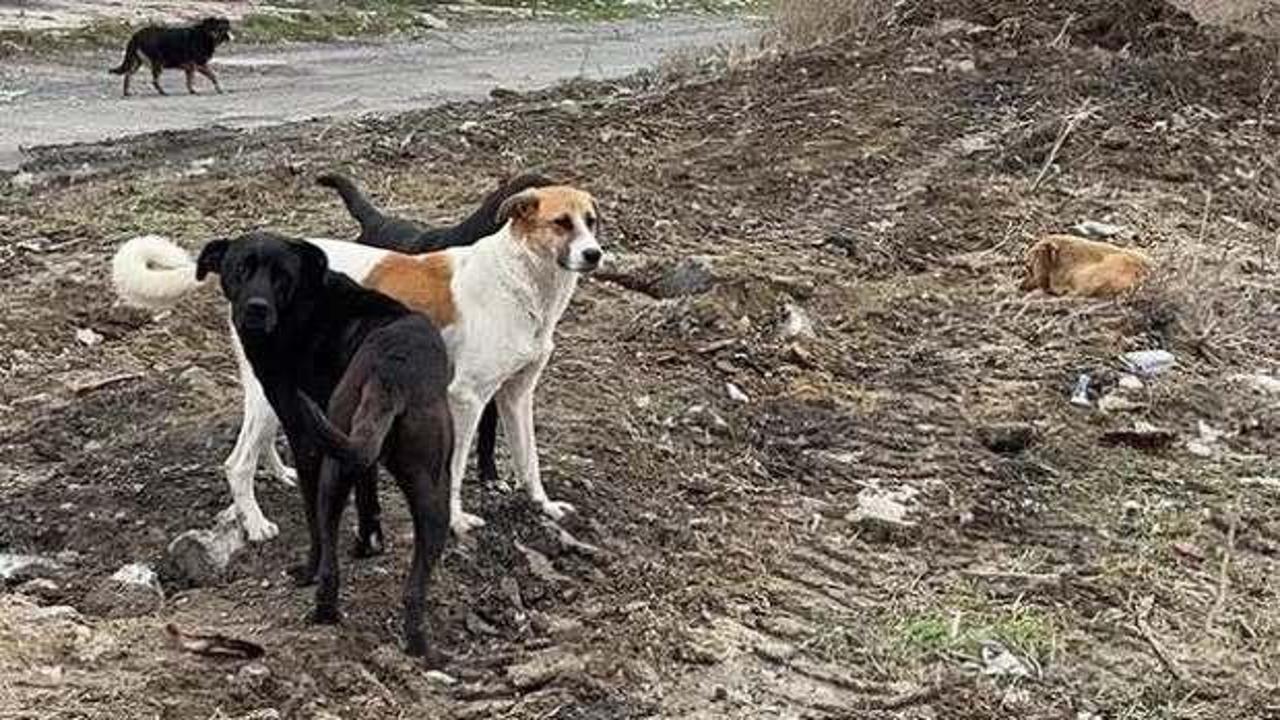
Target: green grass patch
x,y
1024,630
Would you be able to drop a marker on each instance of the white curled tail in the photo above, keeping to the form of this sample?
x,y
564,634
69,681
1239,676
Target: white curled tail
x,y
152,272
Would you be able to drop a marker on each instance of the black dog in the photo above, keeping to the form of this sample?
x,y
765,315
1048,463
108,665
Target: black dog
x,y
189,48
407,236
311,333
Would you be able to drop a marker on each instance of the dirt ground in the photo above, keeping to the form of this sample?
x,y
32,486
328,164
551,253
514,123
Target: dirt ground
x,y
1052,566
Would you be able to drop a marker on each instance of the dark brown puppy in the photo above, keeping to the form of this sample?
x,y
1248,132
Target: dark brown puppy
x,y
189,48
312,333
410,237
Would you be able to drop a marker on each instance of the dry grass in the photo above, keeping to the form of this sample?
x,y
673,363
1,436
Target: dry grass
x,y
1212,298
803,23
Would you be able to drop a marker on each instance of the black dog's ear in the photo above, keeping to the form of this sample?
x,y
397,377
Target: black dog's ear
x,y
519,206
314,261
211,255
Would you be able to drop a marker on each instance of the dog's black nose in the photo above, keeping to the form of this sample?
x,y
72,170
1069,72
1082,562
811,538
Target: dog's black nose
x,y
257,308
592,255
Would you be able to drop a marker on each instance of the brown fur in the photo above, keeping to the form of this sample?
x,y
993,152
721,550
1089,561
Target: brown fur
x,y
534,213
1063,264
419,281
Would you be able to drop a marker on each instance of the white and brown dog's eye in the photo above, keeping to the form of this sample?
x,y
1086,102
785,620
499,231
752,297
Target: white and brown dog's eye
x,y
565,222
591,222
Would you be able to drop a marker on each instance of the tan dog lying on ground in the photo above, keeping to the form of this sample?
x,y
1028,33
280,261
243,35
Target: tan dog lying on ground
x,y
1064,264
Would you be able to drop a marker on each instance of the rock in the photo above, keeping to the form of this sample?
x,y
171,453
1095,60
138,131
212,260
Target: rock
x,y
437,677
964,65
884,514
1097,230
1115,138
87,337
706,418
501,93
253,675
468,126
997,660
541,566
429,21
543,669
16,568
133,591
200,557
1263,383
1007,438
795,325
1143,436
691,276
1116,402
735,393
1129,382
42,589
200,380
1148,363
570,107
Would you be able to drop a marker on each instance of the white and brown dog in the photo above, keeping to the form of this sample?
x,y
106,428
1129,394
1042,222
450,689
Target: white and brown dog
x,y
496,303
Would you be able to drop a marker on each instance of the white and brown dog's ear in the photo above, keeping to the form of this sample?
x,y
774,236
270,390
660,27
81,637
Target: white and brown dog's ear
x,y
521,206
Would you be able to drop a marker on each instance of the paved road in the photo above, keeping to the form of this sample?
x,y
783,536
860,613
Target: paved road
x,y
77,101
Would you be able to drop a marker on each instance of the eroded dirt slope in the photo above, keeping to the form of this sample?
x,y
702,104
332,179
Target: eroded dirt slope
x,y
884,189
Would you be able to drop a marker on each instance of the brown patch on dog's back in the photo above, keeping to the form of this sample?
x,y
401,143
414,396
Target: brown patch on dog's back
x,y
420,282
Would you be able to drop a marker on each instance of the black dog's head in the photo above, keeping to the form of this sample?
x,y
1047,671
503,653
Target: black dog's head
x,y
218,29
264,276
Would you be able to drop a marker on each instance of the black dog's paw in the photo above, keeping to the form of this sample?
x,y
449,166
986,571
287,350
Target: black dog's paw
x,y
303,574
325,616
367,547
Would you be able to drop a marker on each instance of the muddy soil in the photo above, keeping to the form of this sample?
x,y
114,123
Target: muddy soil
x,y
73,99
719,566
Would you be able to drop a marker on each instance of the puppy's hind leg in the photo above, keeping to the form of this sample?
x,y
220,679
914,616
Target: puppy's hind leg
x,y
190,71
205,71
424,450
369,541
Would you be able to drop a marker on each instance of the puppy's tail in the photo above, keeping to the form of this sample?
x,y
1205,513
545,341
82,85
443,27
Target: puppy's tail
x,y
152,272
130,59
369,427
360,208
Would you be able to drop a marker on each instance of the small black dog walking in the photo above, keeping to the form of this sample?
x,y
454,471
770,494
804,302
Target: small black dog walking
x,y
189,48
384,371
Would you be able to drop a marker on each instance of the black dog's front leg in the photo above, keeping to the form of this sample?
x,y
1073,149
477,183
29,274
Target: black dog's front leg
x,y
335,485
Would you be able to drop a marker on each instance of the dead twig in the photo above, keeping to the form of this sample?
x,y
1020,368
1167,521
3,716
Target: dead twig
x,y
1220,597
1068,127
98,384
1140,613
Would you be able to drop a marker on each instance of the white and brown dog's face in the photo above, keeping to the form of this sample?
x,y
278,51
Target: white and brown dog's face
x,y
556,222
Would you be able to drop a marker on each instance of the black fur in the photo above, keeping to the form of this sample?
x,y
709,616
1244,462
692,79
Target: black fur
x,y
189,48
384,372
407,236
